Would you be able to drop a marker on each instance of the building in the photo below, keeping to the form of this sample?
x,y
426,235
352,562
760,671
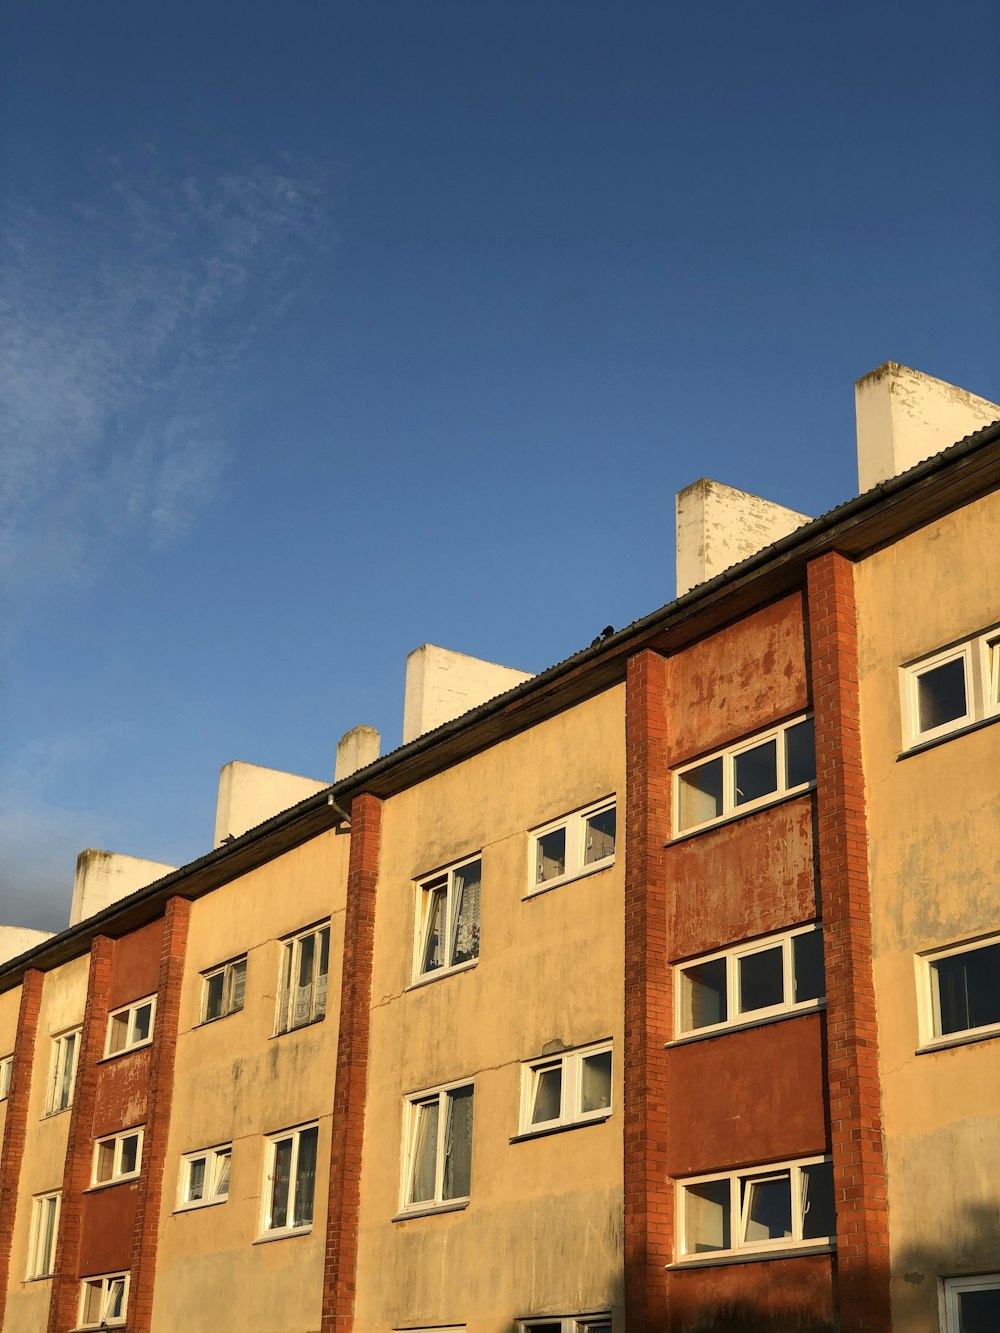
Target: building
x,y
658,990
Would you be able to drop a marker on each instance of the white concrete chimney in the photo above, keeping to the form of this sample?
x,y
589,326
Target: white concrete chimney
x,y
904,417
441,685
104,877
356,749
718,526
249,794
15,940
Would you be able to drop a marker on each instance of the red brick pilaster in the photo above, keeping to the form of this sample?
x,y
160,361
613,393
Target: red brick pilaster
x,y
64,1302
852,1042
340,1269
161,1087
16,1123
649,1199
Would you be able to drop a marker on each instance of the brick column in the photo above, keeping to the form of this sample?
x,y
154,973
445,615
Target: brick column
x,y
16,1123
852,1041
340,1269
161,1088
649,1197
64,1302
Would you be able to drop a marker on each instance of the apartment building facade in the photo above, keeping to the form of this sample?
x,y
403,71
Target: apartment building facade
x,y
658,991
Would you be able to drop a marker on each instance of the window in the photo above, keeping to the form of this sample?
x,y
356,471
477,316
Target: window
x,y
438,1156
952,690
205,1177
568,1089
65,1054
117,1157
131,1026
769,1207
573,846
590,1323
103,1301
960,991
6,1070
778,975
448,919
746,776
972,1304
223,990
290,1182
44,1226
304,971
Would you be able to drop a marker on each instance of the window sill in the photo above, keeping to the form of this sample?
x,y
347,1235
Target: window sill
x,y
812,1008
51,1115
957,1039
919,747
745,812
110,1184
287,1032
585,873
200,1205
544,1131
431,1209
207,1022
282,1233
439,973
129,1050
38,1277
753,1257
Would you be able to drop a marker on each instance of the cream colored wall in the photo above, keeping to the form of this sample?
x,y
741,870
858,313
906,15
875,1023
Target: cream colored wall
x,y
542,1232
236,1082
935,863
64,995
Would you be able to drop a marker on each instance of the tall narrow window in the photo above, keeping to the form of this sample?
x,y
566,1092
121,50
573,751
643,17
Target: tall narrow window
x,y
448,919
44,1228
304,972
62,1079
290,1187
6,1070
438,1158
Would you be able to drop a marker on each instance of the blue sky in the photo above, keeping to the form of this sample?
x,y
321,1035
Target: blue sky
x,y
329,330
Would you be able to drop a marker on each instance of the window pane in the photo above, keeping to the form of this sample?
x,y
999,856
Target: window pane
x,y
307,954
322,975
280,1182
223,1164
800,754
130,1154
458,1144
761,979
756,772
237,985
596,1082
92,1302
214,988
969,989
305,1177
941,694
703,995
465,945
143,1022
551,856
548,1095
767,1208
818,1214
67,1057
119,1033
700,793
105,1161
707,1222
434,903
979,1311
425,1153
807,966
600,836
114,1305
196,1180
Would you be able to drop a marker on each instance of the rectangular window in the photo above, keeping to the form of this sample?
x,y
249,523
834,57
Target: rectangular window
x,y
972,1304
586,1323
290,1182
746,776
952,689
784,1206
567,1089
223,989
572,846
205,1177
117,1157
131,1026
447,933
960,991
44,1227
103,1301
438,1150
62,1077
6,1070
779,975
305,968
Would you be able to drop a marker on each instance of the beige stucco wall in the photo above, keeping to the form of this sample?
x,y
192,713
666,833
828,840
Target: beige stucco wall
x,y
236,1082
934,839
542,1232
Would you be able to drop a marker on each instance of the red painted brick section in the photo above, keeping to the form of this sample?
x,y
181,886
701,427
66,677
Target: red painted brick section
x,y
852,1042
648,1002
161,1086
16,1123
340,1269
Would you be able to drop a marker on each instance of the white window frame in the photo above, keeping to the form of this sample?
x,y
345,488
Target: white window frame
x,y
410,1122
928,1000
58,1065
980,656
104,1281
579,1323
213,1158
270,1151
286,1016
118,1142
570,1113
952,1288
733,955
729,754
129,1012
228,971
426,887
6,1075
737,1210
575,825
42,1258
